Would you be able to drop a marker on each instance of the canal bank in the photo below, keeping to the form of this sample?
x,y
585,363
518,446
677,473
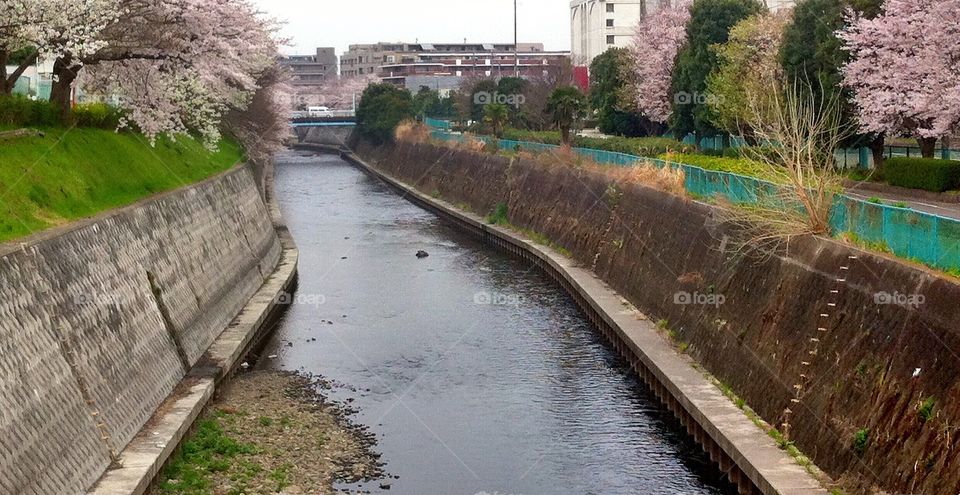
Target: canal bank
x,y
117,329
751,459
865,343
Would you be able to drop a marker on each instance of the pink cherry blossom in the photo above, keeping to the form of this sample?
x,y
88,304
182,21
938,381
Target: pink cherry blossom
x,y
659,38
903,69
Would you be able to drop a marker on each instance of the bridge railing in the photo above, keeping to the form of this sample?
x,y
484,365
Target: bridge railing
x,y
928,238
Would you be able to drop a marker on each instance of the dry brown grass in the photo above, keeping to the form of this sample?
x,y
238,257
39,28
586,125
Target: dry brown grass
x,y
669,180
642,173
410,131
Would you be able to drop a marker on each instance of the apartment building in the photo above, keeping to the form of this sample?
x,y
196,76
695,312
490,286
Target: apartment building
x,y
598,25
312,69
442,66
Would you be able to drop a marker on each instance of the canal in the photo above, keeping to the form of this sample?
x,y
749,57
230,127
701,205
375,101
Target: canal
x,y
476,373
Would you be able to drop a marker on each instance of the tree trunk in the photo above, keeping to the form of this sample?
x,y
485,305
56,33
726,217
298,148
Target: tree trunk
x,y
877,148
5,89
928,146
64,74
565,134
9,81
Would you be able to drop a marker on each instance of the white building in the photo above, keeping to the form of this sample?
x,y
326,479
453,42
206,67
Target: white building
x,y
598,25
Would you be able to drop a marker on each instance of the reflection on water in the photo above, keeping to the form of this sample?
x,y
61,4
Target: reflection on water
x,y
476,373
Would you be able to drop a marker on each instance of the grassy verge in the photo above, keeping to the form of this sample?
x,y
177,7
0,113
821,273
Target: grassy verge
x,y
739,166
69,174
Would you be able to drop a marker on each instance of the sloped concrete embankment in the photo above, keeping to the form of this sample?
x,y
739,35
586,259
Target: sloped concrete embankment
x,y
110,320
872,343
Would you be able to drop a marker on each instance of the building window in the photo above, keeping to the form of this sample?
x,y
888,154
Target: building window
x,y
611,39
609,7
609,23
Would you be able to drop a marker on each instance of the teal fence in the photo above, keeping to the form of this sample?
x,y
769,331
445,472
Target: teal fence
x,y
438,124
908,233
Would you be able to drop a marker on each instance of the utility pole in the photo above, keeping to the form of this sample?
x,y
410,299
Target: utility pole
x,y
516,48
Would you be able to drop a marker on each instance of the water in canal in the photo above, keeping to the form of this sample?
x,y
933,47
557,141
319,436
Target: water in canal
x,y
476,372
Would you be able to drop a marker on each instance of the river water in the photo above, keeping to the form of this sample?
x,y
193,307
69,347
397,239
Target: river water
x,y
476,373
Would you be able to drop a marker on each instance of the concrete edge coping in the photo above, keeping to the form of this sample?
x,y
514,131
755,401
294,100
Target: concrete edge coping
x,y
771,469
147,453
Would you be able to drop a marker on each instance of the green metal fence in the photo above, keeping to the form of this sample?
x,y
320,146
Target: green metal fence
x,y
911,234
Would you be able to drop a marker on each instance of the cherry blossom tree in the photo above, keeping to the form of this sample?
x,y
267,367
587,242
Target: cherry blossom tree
x,y
53,29
658,39
335,93
903,69
262,125
175,65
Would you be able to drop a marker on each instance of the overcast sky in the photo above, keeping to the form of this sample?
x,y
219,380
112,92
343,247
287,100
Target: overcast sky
x,y
338,23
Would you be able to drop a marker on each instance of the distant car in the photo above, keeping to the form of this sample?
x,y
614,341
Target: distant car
x,y
319,112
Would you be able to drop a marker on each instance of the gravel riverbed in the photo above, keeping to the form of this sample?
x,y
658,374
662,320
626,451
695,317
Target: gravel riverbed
x,y
272,432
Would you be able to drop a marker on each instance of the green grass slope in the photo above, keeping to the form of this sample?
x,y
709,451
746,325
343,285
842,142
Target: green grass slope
x,y
71,174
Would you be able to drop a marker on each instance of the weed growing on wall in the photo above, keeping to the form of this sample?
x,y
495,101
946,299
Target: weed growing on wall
x,y
861,439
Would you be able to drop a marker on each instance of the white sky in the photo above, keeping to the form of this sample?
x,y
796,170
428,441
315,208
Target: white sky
x,y
338,23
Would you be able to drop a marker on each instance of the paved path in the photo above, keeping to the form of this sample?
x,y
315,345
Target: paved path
x,y
949,210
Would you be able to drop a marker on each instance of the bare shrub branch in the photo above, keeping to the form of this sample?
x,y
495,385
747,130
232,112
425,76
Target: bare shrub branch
x,y
799,130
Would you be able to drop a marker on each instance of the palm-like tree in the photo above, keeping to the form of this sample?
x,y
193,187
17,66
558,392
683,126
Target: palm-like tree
x,y
567,105
497,115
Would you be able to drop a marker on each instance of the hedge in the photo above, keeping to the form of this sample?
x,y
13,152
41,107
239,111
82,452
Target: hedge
x,y
650,147
929,174
20,111
97,115
739,166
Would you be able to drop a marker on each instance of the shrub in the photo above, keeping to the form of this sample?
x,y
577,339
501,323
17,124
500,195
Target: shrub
x,y
382,107
20,111
928,174
98,115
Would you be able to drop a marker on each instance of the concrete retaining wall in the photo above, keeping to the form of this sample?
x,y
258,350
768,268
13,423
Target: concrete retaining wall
x,y
101,320
329,135
813,316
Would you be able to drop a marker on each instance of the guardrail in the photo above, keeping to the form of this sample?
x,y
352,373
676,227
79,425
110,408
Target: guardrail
x,y
911,234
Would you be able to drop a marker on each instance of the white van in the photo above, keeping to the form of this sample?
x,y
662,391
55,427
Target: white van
x,y
319,112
